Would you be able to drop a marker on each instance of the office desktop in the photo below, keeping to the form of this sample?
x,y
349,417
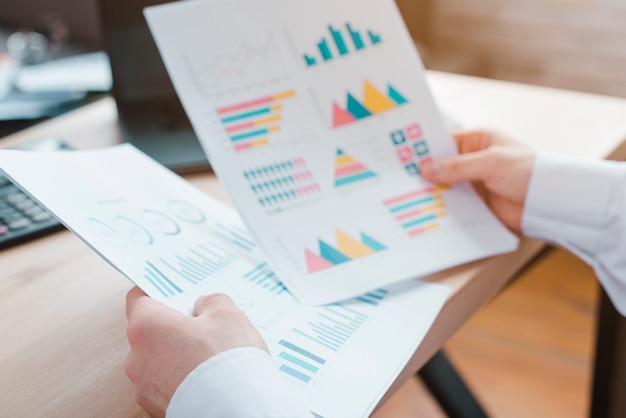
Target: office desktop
x,y
82,325
463,108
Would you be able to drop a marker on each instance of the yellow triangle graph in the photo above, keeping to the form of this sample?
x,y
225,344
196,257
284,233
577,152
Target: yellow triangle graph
x,y
375,101
344,160
351,247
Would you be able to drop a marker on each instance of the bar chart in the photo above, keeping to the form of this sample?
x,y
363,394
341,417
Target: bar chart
x,y
264,277
305,349
195,265
347,249
281,183
341,41
251,124
374,102
299,363
419,211
349,171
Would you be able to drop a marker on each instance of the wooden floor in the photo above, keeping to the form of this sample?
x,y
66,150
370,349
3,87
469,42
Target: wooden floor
x,y
528,353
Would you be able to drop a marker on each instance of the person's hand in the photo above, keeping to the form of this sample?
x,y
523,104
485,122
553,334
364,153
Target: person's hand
x,y
499,167
165,345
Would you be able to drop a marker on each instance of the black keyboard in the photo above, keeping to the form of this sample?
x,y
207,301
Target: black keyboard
x,y
21,218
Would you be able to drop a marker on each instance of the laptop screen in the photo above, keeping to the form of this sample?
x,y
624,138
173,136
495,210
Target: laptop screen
x,y
138,71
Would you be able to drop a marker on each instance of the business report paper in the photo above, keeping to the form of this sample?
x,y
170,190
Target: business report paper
x,y
316,117
177,243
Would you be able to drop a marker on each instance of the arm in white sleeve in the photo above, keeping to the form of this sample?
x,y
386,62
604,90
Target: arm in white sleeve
x,y
581,205
241,382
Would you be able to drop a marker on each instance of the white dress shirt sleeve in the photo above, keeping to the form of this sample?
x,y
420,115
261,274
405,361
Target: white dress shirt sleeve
x,y
241,382
581,205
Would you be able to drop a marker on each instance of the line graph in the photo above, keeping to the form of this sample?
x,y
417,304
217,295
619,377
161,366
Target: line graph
x,y
231,63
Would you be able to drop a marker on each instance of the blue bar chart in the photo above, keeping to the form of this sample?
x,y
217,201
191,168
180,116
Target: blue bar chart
x,y
263,276
302,349
298,362
193,266
333,327
374,297
344,41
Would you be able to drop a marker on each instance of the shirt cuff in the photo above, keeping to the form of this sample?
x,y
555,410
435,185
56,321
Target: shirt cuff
x,y
567,200
241,382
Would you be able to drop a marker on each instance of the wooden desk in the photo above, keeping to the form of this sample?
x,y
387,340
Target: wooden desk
x,y
62,322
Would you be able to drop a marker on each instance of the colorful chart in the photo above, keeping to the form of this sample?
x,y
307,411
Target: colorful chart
x,y
374,102
264,277
349,171
419,211
340,45
252,123
411,148
347,249
281,183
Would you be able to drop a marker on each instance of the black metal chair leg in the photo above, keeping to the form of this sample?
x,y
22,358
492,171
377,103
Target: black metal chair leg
x,y
609,380
448,388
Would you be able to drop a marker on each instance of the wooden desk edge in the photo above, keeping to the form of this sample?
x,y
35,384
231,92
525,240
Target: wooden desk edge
x,y
468,293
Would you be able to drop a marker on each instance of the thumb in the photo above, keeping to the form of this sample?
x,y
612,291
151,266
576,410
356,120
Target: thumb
x,y
209,304
465,167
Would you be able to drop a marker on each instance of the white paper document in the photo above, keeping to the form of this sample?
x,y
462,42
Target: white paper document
x,y
177,244
316,117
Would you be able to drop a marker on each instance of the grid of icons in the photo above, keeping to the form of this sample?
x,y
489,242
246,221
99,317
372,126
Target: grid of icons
x,y
411,148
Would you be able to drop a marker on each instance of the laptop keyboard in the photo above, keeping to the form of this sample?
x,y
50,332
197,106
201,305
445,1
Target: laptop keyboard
x,y
21,218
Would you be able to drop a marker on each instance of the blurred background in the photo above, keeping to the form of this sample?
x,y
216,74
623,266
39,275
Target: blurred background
x,y
570,44
528,353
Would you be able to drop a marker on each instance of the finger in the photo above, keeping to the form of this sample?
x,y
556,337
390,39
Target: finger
x,y
475,166
474,140
133,297
209,303
139,302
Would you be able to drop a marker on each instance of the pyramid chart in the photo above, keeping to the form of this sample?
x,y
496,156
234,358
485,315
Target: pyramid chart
x,y
347,249
374,102
349,171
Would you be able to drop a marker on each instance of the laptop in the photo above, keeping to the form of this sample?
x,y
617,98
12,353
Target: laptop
x,y
150,114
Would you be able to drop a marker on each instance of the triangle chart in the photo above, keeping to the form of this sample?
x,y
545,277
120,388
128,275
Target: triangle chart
x,y
349,171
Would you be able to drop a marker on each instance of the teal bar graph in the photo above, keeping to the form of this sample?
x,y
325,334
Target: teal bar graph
x,y
302,351
325,50
263,276
419,221
248,135
339,42
412,203
294,373
343,41
356,38
374,37
247,115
